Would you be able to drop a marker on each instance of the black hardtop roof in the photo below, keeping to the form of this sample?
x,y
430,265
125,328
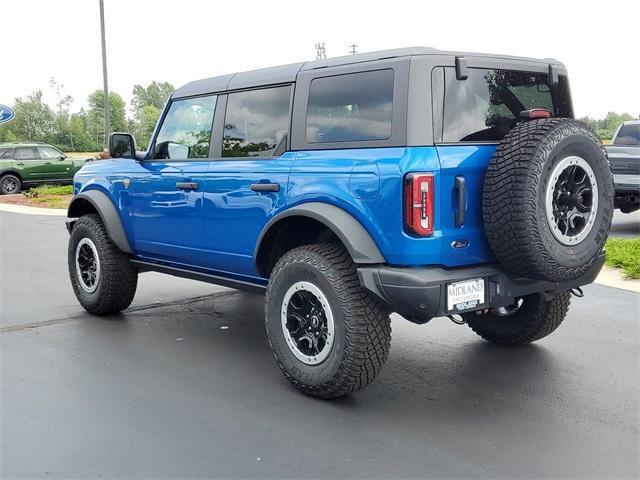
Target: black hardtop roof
x,y
288,73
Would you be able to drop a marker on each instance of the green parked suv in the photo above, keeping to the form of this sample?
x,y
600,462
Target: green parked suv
x,y
30,163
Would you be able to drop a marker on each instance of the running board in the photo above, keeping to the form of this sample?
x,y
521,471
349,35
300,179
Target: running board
x,y
200,276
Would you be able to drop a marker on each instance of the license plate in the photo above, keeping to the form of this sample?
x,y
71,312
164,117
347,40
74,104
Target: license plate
x,y
465,295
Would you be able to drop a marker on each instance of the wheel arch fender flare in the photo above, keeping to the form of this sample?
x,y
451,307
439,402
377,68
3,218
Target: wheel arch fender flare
x,y
345,226
104,206
11,171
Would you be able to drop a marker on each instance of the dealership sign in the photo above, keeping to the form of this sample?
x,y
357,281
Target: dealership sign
x,y
6,114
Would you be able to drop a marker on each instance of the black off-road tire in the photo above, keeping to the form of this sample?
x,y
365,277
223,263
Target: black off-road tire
x,y
514,210
13,178
362,323
536,318
118,279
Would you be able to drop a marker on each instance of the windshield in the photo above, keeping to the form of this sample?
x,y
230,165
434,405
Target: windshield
x,y
486,105
628,134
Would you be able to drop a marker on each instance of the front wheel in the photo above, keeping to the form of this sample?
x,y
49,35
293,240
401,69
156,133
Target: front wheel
x,y
531,318
330,337
102,277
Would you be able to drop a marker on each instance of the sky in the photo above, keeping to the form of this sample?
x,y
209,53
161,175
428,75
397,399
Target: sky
x,y
183,40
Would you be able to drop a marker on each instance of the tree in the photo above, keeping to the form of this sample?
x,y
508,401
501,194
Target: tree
x,y
62,135
95,115
34,118
155,95
147,103
147,122
606,127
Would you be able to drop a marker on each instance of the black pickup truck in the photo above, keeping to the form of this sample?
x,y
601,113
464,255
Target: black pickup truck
x,y
624,157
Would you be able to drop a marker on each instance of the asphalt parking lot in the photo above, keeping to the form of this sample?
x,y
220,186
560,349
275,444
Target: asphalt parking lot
x,y
183,385
625,225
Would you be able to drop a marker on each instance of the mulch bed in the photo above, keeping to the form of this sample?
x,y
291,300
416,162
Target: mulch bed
x,y
43,201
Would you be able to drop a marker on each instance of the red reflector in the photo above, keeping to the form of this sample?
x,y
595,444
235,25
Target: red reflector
x,y
418,208
535,113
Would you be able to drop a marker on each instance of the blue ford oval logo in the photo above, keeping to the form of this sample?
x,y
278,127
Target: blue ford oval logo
x,y
6,113
463,243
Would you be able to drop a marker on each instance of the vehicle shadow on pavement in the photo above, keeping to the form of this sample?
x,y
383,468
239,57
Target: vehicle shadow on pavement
x,y
429,365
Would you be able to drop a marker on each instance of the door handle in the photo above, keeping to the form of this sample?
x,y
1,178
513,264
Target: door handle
x,y
265,187
187,186
461,212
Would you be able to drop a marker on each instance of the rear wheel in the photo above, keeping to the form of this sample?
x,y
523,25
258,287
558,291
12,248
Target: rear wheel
x,y
330,337
102,277
10,184
531,318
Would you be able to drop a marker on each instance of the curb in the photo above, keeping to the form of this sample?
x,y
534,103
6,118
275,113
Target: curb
x,y
612,277
52,212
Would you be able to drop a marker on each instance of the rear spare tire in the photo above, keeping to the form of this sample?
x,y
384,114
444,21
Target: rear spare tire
x,y
548,200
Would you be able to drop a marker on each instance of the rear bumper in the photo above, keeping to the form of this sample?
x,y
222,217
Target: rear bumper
x,y
420,293
626,182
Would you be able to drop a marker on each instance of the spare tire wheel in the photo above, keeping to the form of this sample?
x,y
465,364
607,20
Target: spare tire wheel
x,y
548,200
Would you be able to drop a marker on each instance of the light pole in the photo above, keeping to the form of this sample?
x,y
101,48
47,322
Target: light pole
x,y
104,76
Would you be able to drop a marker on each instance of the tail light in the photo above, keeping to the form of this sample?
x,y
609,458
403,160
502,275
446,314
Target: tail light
x,y
418,204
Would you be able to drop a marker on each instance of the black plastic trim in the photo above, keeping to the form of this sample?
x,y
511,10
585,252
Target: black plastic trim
x,y
461,189
420,294
349,230
462,68
200,276
108,213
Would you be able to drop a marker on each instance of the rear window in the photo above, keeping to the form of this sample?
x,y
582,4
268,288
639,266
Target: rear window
x,y
350,108
628,135
485,106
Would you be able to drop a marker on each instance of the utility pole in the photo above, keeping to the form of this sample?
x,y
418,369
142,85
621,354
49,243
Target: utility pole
x,y
352,49
104,76
320,51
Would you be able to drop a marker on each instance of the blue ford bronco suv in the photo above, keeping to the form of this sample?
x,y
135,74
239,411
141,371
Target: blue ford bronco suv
x,y
416,181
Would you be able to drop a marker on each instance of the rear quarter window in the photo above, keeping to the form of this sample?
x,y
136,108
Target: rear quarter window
x,y
486,105
351,107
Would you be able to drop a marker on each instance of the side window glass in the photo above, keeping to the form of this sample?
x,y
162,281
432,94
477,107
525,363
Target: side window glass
x,y
186,130
6,152
48,153
256,122
350,108
25,153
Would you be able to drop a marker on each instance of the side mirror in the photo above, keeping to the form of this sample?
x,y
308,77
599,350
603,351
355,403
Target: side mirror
x,y
172,151
122,145
62,157
177,151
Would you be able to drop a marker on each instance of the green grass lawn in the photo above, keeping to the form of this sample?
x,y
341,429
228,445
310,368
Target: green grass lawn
x,y
624,254
36,192
52,196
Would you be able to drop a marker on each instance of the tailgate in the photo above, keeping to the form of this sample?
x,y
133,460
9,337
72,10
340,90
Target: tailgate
x,y
463,166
